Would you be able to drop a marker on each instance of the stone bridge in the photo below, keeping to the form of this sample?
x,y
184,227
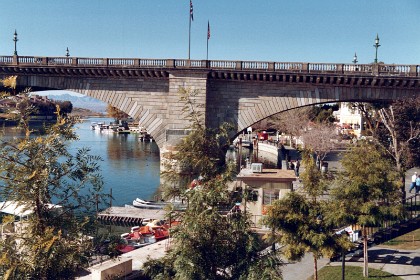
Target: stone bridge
x,y
240,92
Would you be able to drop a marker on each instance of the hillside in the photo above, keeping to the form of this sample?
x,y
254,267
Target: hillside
x,y
82,102
82,112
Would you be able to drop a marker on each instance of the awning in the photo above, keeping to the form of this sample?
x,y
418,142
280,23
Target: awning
x,y
19,209
14,208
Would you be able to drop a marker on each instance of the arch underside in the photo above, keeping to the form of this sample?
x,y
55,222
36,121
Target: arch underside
x,y
136,99
274,105
153,101
260,102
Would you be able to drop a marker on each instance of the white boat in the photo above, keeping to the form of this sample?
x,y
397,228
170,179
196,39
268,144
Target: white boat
x,y
140,203
139,200
96,125
148,206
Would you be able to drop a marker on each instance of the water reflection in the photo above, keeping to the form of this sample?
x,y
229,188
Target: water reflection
x,y
130,167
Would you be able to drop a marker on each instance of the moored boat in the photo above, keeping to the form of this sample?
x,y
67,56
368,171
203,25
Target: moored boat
x,y
148,205
150,202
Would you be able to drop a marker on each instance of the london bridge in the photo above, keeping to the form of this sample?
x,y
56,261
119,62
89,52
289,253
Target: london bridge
x,y
240,92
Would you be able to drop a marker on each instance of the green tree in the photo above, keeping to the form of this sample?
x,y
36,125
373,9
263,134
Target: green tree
x,y
401,134
208,244
366,191
298,223
37,172
396,127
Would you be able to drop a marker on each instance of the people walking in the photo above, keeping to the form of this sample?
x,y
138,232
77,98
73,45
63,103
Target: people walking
x,y
297,168
413,182
418,184
291,165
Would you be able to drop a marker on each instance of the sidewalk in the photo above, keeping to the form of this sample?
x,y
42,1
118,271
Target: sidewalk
x,y
139,257
402,263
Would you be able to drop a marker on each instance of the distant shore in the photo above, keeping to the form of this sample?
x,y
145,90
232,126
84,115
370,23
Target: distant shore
x,y
81,112
85,113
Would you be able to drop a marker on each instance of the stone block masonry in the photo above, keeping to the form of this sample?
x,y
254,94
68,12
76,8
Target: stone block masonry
x,y
236,92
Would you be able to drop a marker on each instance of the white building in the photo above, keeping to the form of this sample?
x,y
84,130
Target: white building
x,y
350,120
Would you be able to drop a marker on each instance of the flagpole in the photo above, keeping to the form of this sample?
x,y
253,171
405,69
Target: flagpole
x,y
189,40
189,30
208,37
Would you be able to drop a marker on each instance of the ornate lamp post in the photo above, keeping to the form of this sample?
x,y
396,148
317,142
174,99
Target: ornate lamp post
x,y
67,52
15,39
355,58
376,47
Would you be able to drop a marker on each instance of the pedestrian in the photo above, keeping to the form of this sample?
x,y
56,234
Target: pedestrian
x,y
283,152
413,182
418,184
297,168
292,166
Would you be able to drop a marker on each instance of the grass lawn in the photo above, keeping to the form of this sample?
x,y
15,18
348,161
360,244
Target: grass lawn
x,y
409,241
353,273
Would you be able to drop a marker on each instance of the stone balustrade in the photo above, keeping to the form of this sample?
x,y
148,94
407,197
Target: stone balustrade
x,y
263,66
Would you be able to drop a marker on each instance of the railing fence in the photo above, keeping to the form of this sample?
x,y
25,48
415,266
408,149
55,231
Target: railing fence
x,y
376,69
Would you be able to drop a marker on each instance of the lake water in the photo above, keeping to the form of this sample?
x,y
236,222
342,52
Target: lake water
x,y
130,167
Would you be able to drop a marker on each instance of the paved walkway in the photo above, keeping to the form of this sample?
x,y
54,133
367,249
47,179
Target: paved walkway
x,y
139,257
402,263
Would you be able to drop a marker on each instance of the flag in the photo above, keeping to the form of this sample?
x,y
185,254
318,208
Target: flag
x,y
208,30
191,10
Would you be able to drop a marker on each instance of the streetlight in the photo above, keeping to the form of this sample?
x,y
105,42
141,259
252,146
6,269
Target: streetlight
x,y
15,39
376,47
67,52
355,58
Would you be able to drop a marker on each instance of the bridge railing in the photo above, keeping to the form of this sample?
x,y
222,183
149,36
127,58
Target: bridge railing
x,y
6,59
29,60
152,62
121,61
59,60
322,67
375,69
288,66
90,62
358,68
222,64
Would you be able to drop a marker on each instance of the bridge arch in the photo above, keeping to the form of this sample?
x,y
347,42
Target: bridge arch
x,y
240,92
257,101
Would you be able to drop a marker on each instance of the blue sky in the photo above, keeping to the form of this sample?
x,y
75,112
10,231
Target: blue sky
x,y
276,30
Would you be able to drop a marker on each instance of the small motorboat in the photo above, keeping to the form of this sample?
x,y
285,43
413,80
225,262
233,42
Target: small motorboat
x,y
161,233
141,203
150,202
148,205
123,248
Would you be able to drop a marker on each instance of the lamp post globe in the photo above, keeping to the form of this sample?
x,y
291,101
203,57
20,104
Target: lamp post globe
x,y
355,58
15,39
376,48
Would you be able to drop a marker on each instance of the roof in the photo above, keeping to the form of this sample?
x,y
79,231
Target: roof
x,y
18,208
268,175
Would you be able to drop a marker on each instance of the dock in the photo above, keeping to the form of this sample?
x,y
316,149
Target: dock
x,y
129,215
